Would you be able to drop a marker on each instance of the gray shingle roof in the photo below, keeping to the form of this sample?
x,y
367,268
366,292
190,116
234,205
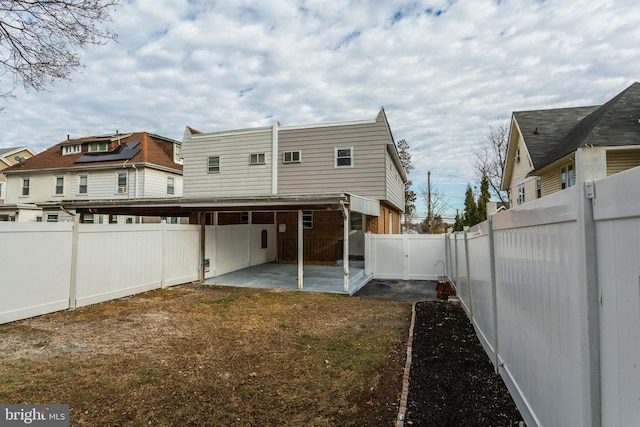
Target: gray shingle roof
x,y
544,130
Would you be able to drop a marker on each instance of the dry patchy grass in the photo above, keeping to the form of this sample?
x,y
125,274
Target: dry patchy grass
x,y
202,355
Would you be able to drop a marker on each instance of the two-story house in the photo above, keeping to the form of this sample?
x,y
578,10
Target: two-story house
x,y
10,156
355,163
114,167
542,144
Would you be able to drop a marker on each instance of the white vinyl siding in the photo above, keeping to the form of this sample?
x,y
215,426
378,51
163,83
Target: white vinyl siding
x,y
394,184
237,177
318,174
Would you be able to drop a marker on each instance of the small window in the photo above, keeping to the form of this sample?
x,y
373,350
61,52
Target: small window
x,y
356,221
244,217
563,178
1,190
264,240
26,182
59,186
121,182
538,188
570,176
177,153
83,184
256,159
307,219
214,164
517,157
344,157
171,185
128,220
71,149
521,194
88,219
98,146
52,217
291,157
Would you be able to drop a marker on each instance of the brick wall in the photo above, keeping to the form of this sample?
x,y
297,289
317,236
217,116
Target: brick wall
x,y
323,242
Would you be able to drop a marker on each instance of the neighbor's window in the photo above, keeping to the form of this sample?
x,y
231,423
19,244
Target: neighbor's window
x,y
59,185
121,182
567,177
26,182
517,157
563,178
521,194
307,219
171,185
538,188
570,176
256,159
214,164
83,184
291,157
344,157
71,149
1,190
98,146
52,217
88,219
177,153
244,217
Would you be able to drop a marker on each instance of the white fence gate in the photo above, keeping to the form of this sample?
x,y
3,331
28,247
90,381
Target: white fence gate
x,y
404,256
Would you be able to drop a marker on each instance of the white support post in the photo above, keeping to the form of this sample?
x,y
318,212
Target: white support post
x,y
345,249
300,251
73,282
494,294
466,256
590,165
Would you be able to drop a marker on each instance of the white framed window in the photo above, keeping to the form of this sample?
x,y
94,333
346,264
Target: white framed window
x,y
307,219
256,159
88,219
291,157
52,217
570,176
26,184
517,157
344,157
213,164
177,153
121,182
58,185
521,194
98,146
538,187
567,177
171,185
71,149
83,184
1,190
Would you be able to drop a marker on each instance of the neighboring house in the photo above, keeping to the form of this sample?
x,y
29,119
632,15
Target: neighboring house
x,y
109,167
353,162
542,144
8,157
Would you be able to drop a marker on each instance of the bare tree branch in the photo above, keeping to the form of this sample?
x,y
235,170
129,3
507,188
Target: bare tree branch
x,y
490,158
39,39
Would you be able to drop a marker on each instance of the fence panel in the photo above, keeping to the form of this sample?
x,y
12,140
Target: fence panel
x,y
538,279
117,260
385,257
617,214
35,260
424,253
404,256
181,254
482,283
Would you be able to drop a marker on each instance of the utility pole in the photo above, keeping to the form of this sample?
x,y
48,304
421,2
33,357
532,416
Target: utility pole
x,y
429,211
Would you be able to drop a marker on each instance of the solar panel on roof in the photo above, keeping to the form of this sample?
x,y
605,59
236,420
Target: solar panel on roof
x,y
124,152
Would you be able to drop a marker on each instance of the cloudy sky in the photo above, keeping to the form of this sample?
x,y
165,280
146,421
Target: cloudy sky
x,y
444,70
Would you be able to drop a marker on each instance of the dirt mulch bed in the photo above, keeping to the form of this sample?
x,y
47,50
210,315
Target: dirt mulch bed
x,y
452,381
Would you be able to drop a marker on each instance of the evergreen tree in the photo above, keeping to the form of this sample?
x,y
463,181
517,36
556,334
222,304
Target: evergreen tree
x,y
470,208
409,194
483,199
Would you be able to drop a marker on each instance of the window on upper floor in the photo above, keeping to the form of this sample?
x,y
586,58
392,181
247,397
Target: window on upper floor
x,y
83,184
307,219
71,149
26,184
521,198
171,185
121,182
291,157
98,146
1,190
177,153
517,157
58,185
567,177
257,159
344,157
213,164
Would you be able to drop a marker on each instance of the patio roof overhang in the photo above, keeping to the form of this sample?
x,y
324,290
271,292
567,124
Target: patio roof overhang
x,y
185,206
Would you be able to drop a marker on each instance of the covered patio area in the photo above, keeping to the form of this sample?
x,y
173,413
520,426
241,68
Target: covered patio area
x,y
316,278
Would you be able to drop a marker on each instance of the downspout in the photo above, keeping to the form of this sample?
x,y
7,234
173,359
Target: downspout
x,y
345,250
135,188
274,158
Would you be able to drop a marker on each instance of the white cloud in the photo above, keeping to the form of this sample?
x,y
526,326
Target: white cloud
x,y
443,69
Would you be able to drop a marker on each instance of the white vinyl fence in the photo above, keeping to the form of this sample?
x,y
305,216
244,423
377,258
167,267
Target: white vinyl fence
x,y
45,267
553,291
404,256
